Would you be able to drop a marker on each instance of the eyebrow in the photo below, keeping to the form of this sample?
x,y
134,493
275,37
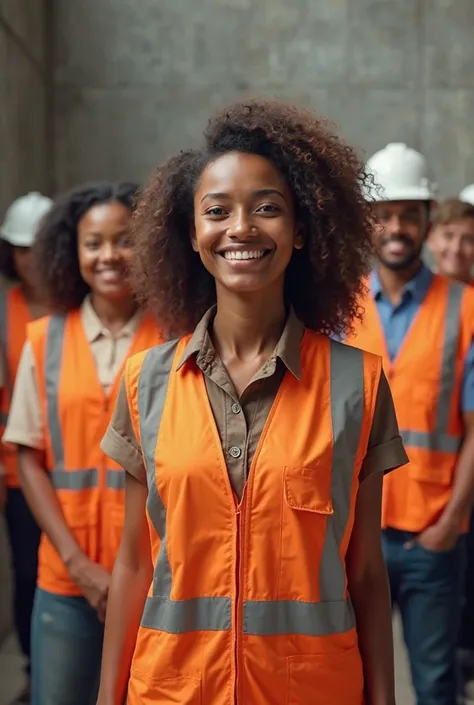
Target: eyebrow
x,y
260,192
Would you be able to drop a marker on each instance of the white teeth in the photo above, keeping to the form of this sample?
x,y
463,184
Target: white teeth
x,y
247,254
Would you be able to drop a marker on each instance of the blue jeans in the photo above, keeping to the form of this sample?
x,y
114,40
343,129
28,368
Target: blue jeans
x,y
66,650
427,589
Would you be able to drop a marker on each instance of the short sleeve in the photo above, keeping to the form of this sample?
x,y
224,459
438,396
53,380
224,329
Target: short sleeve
x,y
120,442
467,393
385,451
25,425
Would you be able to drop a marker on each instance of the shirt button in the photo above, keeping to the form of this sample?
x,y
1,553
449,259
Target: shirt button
x,y
235,452
236,408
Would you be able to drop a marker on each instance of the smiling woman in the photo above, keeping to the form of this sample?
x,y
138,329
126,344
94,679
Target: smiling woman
x,y
250,569
306,184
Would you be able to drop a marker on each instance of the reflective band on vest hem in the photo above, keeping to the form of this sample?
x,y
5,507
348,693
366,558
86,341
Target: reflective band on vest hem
x,y
260,618
182,616
75,479
3,418
431,441
276,617
116,479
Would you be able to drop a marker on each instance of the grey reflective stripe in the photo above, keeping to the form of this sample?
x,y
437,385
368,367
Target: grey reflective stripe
x,y
431,441
180,616
347,413
274,618
115,479
54,350
439,439
3,418
75,479
450,348
152,388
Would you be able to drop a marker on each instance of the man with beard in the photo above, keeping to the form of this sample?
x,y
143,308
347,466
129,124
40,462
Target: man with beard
x,y
422,325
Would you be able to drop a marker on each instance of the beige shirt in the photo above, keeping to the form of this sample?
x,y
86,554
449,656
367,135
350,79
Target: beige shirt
x,y
240,421
25,421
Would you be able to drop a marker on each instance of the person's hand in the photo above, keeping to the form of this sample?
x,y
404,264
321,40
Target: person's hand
x,y
440,537
3,492
92,580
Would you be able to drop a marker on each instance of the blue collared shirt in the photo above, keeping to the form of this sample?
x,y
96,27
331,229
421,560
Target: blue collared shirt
x,y
396,321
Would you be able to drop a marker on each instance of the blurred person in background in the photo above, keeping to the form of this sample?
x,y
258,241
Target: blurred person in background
x,y
21,302
422,325
451,242
65,390
251,568
451,239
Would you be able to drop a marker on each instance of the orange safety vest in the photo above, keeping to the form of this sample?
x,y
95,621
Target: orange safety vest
x,y
249,601
426,381
76,412
14,318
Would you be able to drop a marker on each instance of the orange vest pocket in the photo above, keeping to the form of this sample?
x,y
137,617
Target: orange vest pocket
x,y
147,690
326,679
308,490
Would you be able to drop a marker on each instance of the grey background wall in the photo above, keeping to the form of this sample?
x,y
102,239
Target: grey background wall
x,y
135,81
24,99
24,141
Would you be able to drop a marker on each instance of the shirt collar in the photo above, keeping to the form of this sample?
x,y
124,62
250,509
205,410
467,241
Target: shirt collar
x,y
94,328
288,348
417,287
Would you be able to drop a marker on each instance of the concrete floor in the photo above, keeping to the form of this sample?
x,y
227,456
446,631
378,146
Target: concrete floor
x,y
11,676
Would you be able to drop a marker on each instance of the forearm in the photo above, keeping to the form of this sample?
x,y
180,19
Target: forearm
x,y
462,496
45,506
371,600
129,586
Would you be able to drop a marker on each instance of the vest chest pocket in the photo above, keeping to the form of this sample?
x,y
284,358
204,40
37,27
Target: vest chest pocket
x,y
308,490
306,508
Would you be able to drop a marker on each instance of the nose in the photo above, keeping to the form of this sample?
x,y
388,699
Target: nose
x,y
240,226
108,253
393,225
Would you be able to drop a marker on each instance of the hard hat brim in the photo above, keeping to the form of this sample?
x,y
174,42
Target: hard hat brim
x,y
413,194
17,239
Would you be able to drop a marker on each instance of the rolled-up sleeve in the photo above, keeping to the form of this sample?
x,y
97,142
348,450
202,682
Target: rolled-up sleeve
x,y
385,450
120,442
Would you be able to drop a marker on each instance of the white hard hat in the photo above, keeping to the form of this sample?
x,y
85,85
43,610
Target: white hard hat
x,y
400,174
467,194
23,218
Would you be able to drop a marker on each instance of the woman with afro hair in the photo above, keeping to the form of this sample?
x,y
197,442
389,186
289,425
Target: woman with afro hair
x,y
250,569
65,389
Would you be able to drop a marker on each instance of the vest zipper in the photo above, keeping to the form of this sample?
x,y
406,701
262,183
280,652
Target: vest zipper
x,y
237,610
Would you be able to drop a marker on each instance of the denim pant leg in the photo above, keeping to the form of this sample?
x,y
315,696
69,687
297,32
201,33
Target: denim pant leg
x,y
429,599
24,536
466,637
66,650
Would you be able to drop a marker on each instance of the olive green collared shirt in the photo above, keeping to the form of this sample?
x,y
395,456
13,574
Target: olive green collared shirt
x,y
240,421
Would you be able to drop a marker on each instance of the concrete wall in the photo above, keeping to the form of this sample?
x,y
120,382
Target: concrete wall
x,y
135,81
24,142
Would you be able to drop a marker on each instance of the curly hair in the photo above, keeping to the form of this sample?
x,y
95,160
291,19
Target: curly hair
x,y
324,279
55,249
